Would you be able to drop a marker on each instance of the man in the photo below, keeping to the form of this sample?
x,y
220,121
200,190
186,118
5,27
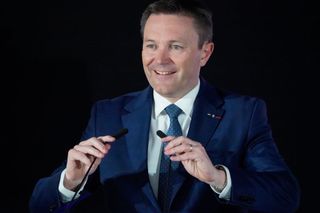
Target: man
x,y
219,155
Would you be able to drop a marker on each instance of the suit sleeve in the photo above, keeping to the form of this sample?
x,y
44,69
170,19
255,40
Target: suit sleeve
x,y
263,182
45,196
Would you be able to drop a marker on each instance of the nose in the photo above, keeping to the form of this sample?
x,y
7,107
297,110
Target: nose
x,y
162,56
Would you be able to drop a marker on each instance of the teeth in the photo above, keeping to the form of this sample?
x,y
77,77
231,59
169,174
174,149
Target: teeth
x,y
163,73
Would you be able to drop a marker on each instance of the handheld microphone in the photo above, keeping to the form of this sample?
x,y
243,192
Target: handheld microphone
x,y
161,134
118,135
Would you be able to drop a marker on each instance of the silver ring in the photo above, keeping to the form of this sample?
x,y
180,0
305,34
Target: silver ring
x,y
190,150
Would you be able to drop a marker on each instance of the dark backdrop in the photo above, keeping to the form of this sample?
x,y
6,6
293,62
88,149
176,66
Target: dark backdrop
x,y
61,56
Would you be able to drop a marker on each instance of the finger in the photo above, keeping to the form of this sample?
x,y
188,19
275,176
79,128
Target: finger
x,y
75,155
91,150
179,149
184,156
82,160
107,139
97,143
167,138
173,141
186,142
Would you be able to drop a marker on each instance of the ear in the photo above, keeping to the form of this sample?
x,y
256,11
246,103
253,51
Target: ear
x,y
206,51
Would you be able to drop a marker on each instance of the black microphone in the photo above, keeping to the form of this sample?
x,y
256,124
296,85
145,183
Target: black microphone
x,y
161,134
118,135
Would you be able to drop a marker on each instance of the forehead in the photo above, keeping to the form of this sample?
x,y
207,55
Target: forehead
x,y
169,25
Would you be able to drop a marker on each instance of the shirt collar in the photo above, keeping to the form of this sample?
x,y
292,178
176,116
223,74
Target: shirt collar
x,y
184,103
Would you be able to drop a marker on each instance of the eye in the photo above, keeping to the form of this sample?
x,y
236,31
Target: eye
x,y
176,47
151,46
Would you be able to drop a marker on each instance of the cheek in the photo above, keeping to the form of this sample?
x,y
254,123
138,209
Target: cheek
x,y
146,58
193,63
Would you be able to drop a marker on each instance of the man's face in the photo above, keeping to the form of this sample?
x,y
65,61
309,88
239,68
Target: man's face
x,y
171,56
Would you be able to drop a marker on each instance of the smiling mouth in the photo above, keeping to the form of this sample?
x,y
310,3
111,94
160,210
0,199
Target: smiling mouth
x,y
164,72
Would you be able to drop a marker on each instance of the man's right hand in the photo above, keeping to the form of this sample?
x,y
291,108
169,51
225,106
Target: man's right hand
x,y
81,156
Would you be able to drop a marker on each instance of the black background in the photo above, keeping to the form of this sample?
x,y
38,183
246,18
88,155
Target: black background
x,y
61,56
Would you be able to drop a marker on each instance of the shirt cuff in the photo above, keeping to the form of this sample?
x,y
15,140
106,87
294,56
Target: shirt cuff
x,y
66,194
225,193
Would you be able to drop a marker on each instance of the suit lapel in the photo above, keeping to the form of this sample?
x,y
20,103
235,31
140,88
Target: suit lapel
x,y
137,120
205,119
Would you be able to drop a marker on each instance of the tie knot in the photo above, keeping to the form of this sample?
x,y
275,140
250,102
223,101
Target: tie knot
x,y
173,111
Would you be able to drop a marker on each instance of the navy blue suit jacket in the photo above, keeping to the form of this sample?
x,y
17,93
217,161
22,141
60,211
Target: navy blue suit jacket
x,y
237,136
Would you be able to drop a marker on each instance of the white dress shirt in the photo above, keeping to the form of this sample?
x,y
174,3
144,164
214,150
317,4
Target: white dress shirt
x,y
160,121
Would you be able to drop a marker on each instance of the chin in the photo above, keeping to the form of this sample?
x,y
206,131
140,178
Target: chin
x,y
166,93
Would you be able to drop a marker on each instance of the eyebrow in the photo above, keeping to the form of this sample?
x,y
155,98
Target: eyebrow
x,y
149,40
170,41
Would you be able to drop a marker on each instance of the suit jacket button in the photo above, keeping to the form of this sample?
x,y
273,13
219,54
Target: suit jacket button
x,y
52,207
